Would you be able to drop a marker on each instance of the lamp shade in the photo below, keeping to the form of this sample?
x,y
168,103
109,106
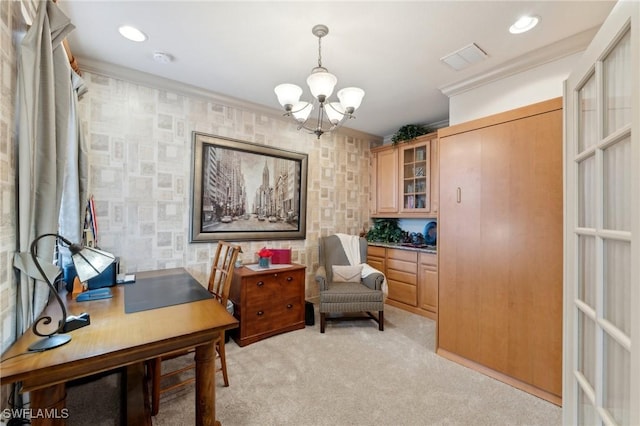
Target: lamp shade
x,y
288,94
321,83
351,97
301,110
335,112
90,262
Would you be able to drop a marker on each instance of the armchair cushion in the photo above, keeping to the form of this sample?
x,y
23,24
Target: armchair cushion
x,y
351,294
347,273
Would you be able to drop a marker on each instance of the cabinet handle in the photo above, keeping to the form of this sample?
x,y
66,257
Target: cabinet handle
x,y
260,283
260,313
459,195
289,306
289,278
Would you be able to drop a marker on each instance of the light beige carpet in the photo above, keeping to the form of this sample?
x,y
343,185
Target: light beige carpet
x,y
351,375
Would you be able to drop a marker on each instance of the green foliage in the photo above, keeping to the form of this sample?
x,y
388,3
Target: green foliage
x,y
385,231
408,132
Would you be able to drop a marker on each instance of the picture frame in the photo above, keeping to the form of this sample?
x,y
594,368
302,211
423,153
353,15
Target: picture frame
x,y
242,191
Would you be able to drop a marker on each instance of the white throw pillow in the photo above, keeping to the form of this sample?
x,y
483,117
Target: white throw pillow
x,y
347,273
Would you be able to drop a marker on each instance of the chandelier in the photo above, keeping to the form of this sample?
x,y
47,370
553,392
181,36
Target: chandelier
x,y
330,115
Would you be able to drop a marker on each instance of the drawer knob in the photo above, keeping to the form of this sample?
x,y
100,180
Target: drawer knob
x,y
260,313
289,278
260,283
289,306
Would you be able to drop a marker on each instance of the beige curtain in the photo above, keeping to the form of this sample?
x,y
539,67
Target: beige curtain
x,y
44,102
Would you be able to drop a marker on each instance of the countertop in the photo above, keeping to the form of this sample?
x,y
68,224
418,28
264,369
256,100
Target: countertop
x,y
430,249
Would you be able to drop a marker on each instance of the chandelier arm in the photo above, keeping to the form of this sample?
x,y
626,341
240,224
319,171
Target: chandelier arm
x,y
343,113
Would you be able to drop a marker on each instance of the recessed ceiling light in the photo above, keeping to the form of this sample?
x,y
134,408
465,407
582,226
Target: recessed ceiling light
x,y
524,24
132,33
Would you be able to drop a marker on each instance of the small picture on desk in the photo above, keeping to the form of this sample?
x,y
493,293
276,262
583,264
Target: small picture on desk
x,y
125,278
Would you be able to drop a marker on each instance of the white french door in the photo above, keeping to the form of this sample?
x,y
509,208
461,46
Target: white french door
x,y
602,227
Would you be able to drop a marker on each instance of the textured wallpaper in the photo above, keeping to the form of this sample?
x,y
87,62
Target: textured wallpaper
x,y
140,148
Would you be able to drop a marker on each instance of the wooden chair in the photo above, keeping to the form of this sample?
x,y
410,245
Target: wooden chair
x,y
219,285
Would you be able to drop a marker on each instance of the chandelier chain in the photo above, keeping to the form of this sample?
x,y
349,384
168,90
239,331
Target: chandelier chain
x,y
320,52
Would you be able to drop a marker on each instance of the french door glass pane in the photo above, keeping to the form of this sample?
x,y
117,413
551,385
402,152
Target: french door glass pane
x,y
617,186
587,193
617,86
587,270
586,411
617,284
617,384
587,131
587,348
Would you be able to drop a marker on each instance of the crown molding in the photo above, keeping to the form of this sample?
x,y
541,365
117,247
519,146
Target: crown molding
x,y
552,52
149,80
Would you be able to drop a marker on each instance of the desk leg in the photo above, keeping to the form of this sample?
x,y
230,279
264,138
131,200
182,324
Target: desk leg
x,y
48,406
205,385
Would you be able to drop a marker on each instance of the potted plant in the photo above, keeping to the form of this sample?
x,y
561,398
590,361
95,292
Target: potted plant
x,y
409,132
385,231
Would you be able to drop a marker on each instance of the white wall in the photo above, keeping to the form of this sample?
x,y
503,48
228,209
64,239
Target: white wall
x,y
535,85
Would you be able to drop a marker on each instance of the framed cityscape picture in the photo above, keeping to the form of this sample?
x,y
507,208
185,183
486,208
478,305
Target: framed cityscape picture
x,y
246,191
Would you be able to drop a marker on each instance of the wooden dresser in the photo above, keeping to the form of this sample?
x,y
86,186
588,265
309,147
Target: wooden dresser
x,y
267,302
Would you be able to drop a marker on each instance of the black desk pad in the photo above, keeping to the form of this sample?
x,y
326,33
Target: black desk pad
x,y
158,292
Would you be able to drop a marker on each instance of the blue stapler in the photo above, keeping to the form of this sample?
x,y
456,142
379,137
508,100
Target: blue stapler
x,y
98,293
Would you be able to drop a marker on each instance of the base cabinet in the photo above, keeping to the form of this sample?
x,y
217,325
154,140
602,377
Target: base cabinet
x,y
267,302
402,277
412,278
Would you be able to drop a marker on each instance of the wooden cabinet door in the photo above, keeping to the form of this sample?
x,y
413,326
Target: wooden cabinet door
x,y
459,244
435,175
373,183
500,246
387,181
415,177
428,282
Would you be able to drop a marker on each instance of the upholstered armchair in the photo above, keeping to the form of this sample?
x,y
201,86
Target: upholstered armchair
x,y
347,284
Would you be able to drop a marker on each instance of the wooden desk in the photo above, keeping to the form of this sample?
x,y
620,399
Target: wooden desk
x,y
115,339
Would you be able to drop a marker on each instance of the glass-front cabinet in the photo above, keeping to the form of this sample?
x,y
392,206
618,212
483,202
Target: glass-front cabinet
x,y
405,178
415,168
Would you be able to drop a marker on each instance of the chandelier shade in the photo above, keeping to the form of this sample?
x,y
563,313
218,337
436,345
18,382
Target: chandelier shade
x,y
302,110
335,112
330,115
351,98
321,83
288,94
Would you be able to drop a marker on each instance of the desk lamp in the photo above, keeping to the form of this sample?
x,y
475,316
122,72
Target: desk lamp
x,y
89,263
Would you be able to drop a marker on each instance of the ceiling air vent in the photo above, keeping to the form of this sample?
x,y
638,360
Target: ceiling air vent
x,y
464,57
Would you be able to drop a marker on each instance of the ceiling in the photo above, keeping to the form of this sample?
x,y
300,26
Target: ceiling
x,y
391,49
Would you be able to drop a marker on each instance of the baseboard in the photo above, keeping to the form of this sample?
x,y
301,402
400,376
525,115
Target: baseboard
x,y
412,309
526,387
